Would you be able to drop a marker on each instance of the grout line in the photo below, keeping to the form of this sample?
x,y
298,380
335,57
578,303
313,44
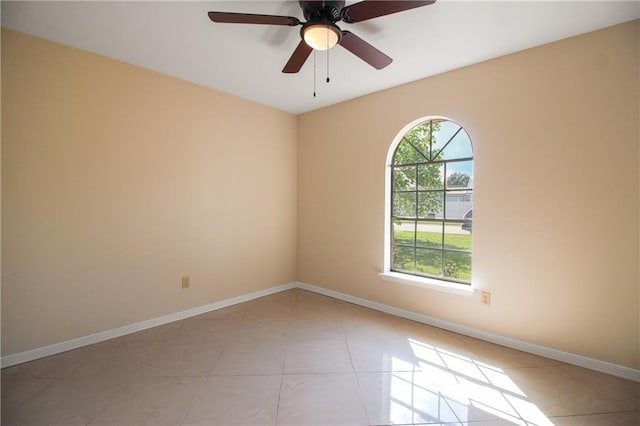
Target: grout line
x,y
591,414
364,407
224,348
191,404
275,420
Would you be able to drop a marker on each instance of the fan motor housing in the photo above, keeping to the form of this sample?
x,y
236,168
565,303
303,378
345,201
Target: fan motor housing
x,y
328,10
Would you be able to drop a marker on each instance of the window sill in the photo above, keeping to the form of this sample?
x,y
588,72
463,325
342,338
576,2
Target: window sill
x,y
430,283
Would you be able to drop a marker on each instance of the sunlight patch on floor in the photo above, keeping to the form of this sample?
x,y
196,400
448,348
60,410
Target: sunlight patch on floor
x,y
447,386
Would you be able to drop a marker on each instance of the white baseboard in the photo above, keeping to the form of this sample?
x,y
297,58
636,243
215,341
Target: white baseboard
x,y
56,348
569,358
558,355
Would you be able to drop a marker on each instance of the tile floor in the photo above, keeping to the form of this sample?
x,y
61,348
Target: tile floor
x,y
298,358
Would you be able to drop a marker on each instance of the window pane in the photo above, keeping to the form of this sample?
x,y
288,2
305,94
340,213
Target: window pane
x,y
458,203
430,176
404,178
459,147
460,174
429,234
430,205
443,131
457,266
455,237
406,154
402,259
429,261
419,138
404,232
404,204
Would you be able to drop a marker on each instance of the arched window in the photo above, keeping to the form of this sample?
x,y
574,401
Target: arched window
x,y
430,205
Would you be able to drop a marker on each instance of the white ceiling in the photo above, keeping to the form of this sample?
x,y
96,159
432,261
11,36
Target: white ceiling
x,y
177,38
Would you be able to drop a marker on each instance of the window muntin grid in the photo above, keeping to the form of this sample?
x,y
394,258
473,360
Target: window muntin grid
x,y
431,202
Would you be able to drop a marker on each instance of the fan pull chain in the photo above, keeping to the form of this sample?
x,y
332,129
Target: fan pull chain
x,y
328,64
328,57
314,73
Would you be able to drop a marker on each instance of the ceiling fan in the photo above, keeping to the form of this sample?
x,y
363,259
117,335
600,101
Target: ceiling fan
x,y
320,32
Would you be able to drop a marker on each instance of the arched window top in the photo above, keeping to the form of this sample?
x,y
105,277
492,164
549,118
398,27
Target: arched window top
x,y
430,202
435,140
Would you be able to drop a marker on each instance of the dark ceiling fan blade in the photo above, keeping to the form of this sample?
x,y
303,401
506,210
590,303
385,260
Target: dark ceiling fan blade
x,y
364,50
298,58
250,18
369,9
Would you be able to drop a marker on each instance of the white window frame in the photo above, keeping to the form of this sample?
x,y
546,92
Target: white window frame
x,y
398,277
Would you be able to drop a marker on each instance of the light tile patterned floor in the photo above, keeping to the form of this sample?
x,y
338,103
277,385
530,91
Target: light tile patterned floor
x,y
298,358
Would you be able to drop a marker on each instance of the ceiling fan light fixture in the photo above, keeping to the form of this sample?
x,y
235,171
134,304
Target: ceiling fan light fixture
x,y
321,36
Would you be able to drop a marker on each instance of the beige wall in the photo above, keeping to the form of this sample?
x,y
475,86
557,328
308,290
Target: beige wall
x,y
556,234
117,181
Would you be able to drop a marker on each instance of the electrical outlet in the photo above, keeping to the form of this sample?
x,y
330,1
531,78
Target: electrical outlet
x,y
485,298
186,282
